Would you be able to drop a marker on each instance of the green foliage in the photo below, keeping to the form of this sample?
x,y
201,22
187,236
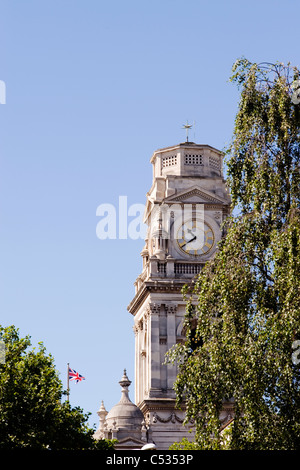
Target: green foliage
x,y
32,415
105,444
184,444
248,297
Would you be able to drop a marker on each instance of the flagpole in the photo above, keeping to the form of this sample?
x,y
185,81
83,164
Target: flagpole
x,y
68,384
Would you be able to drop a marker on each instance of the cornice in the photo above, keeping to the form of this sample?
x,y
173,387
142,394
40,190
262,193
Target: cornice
x,y
187,145
158,404
150,286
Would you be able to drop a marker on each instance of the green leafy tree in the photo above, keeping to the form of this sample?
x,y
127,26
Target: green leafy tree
x,y
184,444
32,414
244,308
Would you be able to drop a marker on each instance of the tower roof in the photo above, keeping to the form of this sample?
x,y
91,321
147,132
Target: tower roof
x,y
125,414
186,145
187,159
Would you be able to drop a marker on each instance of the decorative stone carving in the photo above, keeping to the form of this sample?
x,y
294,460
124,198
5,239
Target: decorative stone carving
x,y
173,418
135,329
153,309
170,309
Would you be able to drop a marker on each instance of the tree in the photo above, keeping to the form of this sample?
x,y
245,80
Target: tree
x,y
32,414
246,301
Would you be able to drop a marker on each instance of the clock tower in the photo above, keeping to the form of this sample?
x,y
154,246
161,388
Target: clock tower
x,y
186,205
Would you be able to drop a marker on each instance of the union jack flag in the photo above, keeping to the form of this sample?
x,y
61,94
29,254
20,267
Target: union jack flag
x,y
73,375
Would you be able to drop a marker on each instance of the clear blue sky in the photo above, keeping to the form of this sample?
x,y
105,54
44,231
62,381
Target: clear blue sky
x,y
92,89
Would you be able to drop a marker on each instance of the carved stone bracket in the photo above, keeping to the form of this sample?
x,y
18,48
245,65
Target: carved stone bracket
x,y
153,309
135,329
138,326
171,309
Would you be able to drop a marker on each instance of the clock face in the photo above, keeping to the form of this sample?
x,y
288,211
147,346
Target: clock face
x,y
195,238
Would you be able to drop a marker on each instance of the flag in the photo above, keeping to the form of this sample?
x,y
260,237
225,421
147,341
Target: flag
x,y
73,375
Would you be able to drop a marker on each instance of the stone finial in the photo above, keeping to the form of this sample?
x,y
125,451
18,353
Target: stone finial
x,y
125,382
102,411
102,415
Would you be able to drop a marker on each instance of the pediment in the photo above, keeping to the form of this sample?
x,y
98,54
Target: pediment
x,y
192,195
130,442
195,195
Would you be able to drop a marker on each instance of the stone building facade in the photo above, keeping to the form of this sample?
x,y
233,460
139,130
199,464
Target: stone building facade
x,y
124,422
185,208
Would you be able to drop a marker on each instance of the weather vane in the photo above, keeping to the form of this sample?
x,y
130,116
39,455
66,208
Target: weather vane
x,y
187,126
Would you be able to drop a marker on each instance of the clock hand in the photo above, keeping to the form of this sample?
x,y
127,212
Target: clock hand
x,y
189,241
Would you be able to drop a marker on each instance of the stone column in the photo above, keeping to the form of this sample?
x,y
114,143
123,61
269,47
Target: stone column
x,y
137,362
170,267
145,353
154,348
171,340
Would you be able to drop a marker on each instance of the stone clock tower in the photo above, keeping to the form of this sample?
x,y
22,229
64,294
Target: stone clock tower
x,y
185,208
